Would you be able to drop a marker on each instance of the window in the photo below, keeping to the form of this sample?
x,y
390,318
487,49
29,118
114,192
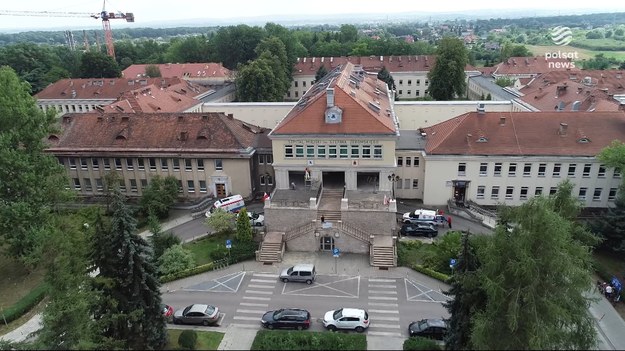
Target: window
x,y
399,184
553,190
144,183
202,186
617,172
95,164
415,183
427,83
538,191
343,149
303,83
462,169
571,172
288,151
355,151
269,159
190,186
118,164
400,161
512,170
122,185
409,81
587,168
299,151
401,82
556,170
130,164
269,179
494,193
366,151
295,84
497,169
321,151
76,184
596,196
176,164
310,151
133,185
409,92
480,191
187,164
401,92
612,194
164,164
200,164
72,163
332,151
601,173
406,183
582,193
408,161
377,153
542,168
83,163
483,169
180,186
416,162
87,183
219,166
262,179
523,195
141,164
418,82
527,169
61,161
99,186
509,192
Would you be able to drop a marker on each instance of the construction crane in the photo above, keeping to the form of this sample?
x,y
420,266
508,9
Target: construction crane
x,y
105,16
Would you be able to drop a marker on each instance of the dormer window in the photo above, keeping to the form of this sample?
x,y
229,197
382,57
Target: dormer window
x,y
583,140
333,115
482,140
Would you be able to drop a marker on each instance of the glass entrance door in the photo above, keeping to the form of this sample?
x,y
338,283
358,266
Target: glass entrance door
x,y
326,243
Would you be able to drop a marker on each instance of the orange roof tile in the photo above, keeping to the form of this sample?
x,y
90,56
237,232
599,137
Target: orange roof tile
x,y
181,70
152,99
531,66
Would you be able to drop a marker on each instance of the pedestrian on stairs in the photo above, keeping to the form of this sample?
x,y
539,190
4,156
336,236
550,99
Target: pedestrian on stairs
x,y
323,219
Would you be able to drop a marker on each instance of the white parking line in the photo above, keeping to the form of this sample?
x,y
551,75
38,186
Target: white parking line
x,y
258,292
257,298
383,311
250,304
261,286
381,298
378,280
243,318
380,286
241,325
375,318
382,292
375,325
377,333
251,311
265,275
263,281
383,304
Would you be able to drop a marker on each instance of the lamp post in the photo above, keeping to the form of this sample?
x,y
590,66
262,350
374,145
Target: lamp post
x,y
393,179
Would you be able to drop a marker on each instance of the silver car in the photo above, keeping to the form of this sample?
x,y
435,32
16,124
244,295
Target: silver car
x,y
197,314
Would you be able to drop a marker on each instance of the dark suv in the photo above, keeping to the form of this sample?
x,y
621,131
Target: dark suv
x,y
428,328
418,229
288,318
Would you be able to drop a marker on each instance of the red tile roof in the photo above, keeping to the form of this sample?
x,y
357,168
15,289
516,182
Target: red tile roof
x,y
181,70
526,133
151,99
355,99
112,88
531,66
154,132
406,63
549,97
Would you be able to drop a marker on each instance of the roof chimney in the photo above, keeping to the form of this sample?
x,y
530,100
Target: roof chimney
x,y
563,128
330,96
502,121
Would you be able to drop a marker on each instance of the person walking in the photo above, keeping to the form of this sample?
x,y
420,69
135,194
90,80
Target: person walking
x,y
608,291
323,219
449,221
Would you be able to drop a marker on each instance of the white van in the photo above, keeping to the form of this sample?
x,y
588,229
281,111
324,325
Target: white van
x,y
232,204
421,216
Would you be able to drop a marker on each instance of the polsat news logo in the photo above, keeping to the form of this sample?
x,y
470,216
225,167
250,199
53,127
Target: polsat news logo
x,y
561,36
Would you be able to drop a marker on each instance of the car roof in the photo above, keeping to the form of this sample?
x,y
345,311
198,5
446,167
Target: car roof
x,y
425,212
304,267
436,323
198,308
294,311
353,312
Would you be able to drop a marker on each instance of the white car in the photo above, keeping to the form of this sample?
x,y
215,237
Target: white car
x,y
256,220
346,318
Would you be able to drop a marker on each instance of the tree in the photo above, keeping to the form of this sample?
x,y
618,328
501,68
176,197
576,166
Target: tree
x,y
385,76
447,78
504,82
159,196
610,226
235,45
244,227
152,71
188,339
32,63
98,65
127,312
175,259
32,180
349,33
256,81
273,50
220,221
189,49
321,72
542,257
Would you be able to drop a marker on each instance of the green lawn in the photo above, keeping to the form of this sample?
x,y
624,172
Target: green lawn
x,y
16,281
203,247
297,340
206,340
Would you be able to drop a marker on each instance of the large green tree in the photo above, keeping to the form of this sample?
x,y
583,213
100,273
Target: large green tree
x,y
447,78
36,64
244,227
159,196
257,81
611,225
98,65
127,311
273,50
385,76
235,45
536,290
32,180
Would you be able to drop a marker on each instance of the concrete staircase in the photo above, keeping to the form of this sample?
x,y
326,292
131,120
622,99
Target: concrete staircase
x,y
270,252
330,205
383,256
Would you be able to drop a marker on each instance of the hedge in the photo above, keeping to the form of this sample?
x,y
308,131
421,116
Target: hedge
x,y
189,272
26,303
430,272
294,340
419,343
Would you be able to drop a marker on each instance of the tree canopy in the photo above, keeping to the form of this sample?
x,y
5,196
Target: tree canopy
x,y
98,65
447,78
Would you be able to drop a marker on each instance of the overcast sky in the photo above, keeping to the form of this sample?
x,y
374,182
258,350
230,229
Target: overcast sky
x,y
149,11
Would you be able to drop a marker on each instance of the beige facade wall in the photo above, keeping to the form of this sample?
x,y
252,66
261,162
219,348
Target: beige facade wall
x,y
411,170
262,114
411,85
595,185
72,105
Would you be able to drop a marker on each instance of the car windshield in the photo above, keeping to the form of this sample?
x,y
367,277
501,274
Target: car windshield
x,y
254,215
184,312
423,325
277,314
338,314
289,271
210,310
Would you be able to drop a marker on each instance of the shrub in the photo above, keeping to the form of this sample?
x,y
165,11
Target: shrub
x,y
244,227
26,303
189,272
163,241
291,340
188,339
175,259
430,272
240,251
419,343
406,250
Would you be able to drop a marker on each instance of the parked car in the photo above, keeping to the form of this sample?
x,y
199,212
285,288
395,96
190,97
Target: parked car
x,y
167,310
299,273
419,229
256,220
346,318
420,216
289,318
197,314
428,328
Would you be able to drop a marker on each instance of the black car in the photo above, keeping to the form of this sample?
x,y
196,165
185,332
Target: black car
x,y
428,328
289,318
418,230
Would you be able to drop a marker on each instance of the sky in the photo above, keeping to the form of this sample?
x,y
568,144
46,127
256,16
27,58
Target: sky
x,y
150,12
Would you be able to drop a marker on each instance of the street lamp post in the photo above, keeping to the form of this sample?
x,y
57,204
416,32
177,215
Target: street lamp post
x,y
393,179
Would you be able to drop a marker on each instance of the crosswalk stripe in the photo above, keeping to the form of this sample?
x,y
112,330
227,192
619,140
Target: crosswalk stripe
x,y
259,292
251,304
261,286
383,311
244,318
381,292
376,318
265,275
257,298
382,325
263,281
378,297
380,286
377,333
383,304
378,280
250,311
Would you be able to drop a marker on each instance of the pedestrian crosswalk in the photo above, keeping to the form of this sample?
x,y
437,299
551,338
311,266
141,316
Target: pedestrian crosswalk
x,y
255,301
383,307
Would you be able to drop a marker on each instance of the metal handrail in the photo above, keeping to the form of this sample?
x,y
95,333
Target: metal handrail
x,y
299,231
355,232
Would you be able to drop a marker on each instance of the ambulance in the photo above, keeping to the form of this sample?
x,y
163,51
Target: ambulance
x,y
231,204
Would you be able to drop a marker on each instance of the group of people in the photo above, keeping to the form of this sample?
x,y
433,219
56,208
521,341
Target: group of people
x,y
609,291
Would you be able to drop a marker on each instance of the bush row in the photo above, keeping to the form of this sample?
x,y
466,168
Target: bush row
x,y
293,340
26,303
430,272
418,343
